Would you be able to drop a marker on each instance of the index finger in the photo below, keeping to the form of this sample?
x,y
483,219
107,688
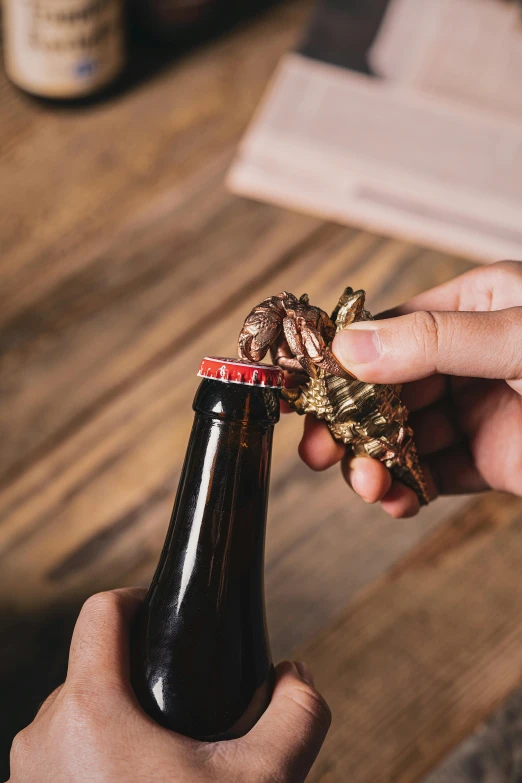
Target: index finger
x,y
494,287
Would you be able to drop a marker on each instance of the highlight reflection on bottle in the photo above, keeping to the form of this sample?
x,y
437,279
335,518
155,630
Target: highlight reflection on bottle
x,y
201,661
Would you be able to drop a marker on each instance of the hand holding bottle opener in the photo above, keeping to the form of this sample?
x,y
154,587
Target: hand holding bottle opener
x,y
369,418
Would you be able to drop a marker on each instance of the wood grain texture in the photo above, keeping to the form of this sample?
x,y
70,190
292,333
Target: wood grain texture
x,y
113,470
124,261
86,173
427,652
102,209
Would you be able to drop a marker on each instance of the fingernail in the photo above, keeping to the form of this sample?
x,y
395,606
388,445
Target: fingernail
x,y
357,346
304,672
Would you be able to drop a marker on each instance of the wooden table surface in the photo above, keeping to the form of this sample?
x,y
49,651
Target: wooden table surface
x,y
124,261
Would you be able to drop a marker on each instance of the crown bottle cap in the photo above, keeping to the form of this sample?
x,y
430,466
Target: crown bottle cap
x,y
241,371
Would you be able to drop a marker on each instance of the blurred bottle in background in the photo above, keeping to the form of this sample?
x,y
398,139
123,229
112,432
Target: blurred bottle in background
x,y
175,21
181,23
63,49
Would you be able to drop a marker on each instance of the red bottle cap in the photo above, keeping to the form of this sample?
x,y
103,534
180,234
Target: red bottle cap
x,y
241,371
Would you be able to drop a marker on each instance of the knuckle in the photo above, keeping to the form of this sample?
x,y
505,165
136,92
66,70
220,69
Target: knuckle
x,y
490,287
77,702
22,747
507,265
88,696
218,756
506,276
511,320
232,761
311,702
80,707
426,333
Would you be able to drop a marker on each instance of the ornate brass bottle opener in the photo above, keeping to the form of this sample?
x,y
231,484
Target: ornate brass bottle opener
x,y
369,418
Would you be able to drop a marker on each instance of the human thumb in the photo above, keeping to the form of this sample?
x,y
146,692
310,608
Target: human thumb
x,y
414,346
288,737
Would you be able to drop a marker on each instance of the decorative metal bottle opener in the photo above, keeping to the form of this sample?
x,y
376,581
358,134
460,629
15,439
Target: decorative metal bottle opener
x,y
368,417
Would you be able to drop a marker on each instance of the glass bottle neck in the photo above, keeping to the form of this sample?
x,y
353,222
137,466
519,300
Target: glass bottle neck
x,y
234,402
218,520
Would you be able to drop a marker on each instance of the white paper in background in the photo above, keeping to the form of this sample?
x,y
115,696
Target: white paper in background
x,y
399,155
468,50
408,31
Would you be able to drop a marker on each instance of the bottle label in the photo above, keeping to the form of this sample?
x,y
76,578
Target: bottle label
x,y
63,48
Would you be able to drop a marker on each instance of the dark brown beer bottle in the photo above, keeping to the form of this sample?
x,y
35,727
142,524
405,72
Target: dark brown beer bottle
x,y
200,658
